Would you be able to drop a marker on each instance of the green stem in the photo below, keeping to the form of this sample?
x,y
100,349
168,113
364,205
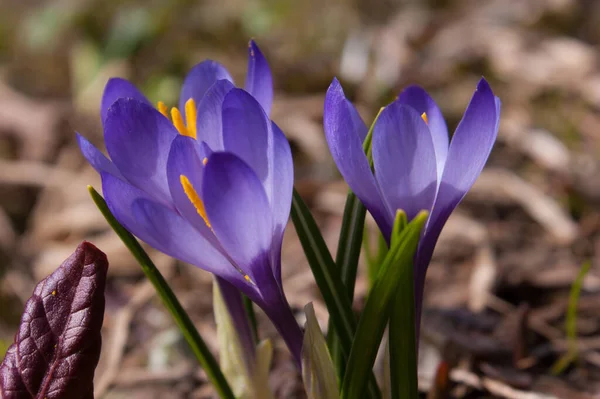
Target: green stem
x,y
183,321
251,317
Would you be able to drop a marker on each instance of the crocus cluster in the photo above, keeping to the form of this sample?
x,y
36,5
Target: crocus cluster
x,y
209,183
415,165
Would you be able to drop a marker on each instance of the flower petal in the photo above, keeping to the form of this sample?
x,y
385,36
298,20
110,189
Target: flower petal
x,y
345,133
404,159
119,88
247,133
186,159
200,78
177,238
469,150
238,210
259,81
120,196
209,122
417,98
283,186
96,158
138,139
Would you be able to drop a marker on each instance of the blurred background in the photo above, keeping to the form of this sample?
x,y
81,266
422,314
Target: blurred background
x,y
498,288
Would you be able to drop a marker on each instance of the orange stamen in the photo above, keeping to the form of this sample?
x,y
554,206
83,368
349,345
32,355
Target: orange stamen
x,y
194,198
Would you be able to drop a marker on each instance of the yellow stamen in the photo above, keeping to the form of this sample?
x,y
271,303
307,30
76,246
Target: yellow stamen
x,y
424,117
178,122
190,117
204,161
162,108
194,198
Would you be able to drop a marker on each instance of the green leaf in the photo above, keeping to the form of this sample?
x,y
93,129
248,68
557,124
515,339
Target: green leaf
x,y
318,372
183,321
375,316
400,223
368,143
386,389
571,322
327,278
347,257
402,334
251,317
373,257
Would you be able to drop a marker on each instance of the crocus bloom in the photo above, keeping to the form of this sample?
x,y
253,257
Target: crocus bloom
x,y
415,164
211,187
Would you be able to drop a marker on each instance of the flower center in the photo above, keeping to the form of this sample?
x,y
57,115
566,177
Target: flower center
x,y
190,131
423,116
190,117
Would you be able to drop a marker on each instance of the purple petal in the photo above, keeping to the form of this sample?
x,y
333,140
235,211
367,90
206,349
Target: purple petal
x,y
277,308
178,239
469,150
247,132
283,186
210,118
358,125
200,79
238,210
417,98
259,81
404,160
96,158
120,197
138,139
119,88
345,136
185,158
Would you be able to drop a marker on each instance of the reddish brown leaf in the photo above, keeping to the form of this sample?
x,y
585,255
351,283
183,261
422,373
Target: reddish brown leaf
x,y
57,347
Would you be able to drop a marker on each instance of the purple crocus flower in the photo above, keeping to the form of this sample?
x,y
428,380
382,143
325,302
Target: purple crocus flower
x,y
415,164
211,187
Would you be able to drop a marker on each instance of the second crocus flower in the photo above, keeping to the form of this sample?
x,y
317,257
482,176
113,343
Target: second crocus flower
x,y
415,165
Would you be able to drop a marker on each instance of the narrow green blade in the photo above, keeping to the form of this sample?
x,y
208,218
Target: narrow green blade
x,y
403,340
402,345
251,317
347,256
183,321
328,280
375,316
571,322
